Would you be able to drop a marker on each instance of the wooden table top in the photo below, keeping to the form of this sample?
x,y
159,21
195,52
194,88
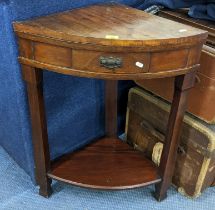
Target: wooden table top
x,y
109,41
112,25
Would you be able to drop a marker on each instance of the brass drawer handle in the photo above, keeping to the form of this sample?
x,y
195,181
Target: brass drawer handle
x,y
110,62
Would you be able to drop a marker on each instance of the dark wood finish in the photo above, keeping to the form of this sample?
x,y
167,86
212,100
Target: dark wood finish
x,y
58,56
147,119
107,24
112,75
103,48
182,84
106,164
26,48
167,61
111,92
33,78
73,43
88,60
61,44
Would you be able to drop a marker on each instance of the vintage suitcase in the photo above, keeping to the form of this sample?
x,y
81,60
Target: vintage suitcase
x,y
202,97
147,117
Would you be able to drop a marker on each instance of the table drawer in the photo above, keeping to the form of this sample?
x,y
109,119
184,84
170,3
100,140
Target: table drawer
x,y
110,62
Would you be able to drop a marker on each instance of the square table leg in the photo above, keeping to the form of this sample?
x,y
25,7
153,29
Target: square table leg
x,y
168,159
111,92
34,80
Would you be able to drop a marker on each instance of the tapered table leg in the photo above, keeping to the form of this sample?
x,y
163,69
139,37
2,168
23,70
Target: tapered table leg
x,y
111,107
33,77
168,159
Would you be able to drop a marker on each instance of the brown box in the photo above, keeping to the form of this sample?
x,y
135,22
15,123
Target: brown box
x,y
146,123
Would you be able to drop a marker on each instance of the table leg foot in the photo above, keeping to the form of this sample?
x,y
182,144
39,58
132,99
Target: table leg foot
x,y
160,194
46,189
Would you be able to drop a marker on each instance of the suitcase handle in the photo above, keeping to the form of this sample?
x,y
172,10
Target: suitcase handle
x,y
146,125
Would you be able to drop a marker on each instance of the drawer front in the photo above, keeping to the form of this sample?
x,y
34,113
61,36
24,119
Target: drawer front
x,y
169,60
55,55
96,63
110,62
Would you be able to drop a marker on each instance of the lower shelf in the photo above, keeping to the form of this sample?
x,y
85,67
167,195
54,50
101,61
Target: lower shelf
x,y
105,164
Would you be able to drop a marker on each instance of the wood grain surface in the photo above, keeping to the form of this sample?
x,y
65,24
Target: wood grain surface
x,y
106,164
112,24
73,42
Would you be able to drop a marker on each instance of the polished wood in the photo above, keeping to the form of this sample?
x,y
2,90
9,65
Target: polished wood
x,y
58,56
108,24
25,48
108,163
34,80
167,61
111,42
110,75
111,92
59,42
168,158
104,48
88,60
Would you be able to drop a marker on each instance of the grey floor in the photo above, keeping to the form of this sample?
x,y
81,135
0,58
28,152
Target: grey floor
x,y
17,192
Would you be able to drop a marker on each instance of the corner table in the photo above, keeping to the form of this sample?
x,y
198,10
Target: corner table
x,y
110,42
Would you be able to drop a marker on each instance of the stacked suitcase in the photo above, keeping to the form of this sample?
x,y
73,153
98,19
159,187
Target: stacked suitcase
x,y
147,118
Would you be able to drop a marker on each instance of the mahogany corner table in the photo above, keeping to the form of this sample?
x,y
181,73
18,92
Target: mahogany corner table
x,y
110,42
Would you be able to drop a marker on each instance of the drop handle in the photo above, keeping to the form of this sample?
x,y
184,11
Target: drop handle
x,y
110,62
